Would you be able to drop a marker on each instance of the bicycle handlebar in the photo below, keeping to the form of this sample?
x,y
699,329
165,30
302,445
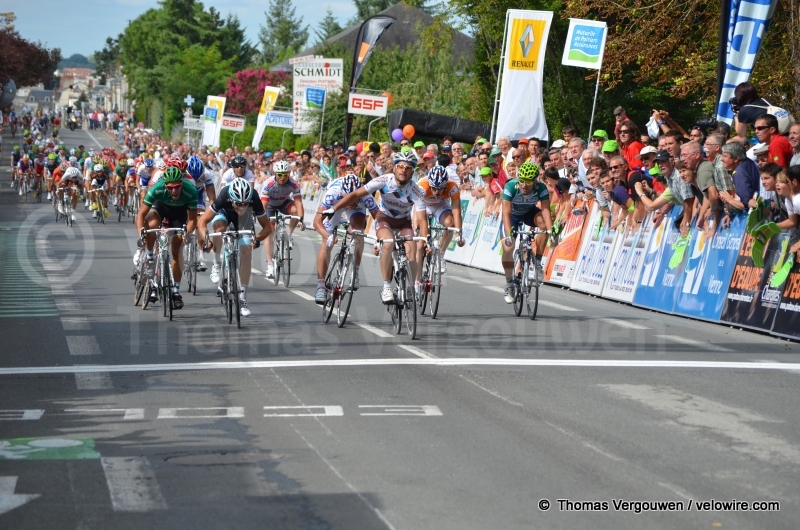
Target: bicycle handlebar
x,y
445,228
167,230
403,238
275,217
232,232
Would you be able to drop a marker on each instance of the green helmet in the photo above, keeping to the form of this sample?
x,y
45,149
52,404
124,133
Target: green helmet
x,y
172,174
51,156
527,171
16,148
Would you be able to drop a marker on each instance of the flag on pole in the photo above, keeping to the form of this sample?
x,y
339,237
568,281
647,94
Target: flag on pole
x,y
586,43
267,104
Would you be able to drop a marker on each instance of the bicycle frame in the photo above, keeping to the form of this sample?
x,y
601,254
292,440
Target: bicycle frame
x,y
229,282
402,275
164,261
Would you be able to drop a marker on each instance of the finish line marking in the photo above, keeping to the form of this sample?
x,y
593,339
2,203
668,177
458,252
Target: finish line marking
x,y
349,363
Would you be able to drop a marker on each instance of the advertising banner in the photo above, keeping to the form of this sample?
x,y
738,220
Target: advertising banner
x,y
595,255
488,249
319,74
271,94
367,104
233,123
215,108
471,224
193,124
275,118
707,272
787,318
750,300
656,288
627,261
521,110
561,260
586,42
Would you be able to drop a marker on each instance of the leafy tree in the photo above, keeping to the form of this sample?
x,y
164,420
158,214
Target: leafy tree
x,y
26,62
107,59
283,34
246,90
328,27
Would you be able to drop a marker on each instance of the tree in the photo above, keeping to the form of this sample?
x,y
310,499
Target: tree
x,y
107,59
328,27
25,62
282,35
246,90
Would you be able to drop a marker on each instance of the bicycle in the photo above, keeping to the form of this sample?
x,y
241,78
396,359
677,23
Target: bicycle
x,y
229,286
98,202
25,185
37,189
281,252
405,299
162,280
189,259
121,208
340,279
432,269
526,280
63,205
133,205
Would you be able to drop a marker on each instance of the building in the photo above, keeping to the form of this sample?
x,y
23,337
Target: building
x,y
36,98
402,34
72,76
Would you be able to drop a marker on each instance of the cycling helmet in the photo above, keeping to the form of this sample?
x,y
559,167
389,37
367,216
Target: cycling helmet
x,y
527,171
238,160
406,157
97,168
281,166
176,161
160,164
16,148
72,152
148,162
130,161
131,172
195,167
72,173
73,159
172,174
122,162
51,156
437,177
350,183
240,191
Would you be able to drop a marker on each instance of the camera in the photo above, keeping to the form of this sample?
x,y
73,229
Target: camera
x,y
734,104
705,124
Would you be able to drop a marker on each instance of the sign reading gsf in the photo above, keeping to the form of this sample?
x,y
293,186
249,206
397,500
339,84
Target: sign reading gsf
x,y
232,123
367,104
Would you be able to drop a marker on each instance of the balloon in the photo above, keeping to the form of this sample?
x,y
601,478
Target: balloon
x,y
388,95
408,132
359,147
397,135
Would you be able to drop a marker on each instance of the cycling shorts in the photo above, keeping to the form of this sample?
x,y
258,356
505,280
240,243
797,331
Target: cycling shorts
x,y
528,219
170,216
438,210
330,224
248,225
401,225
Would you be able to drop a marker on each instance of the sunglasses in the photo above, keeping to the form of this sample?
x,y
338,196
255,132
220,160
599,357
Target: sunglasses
x,y
241,204
281,175
438,190
238,166
516,156
762,127
614,167
173,187
624,131
404,167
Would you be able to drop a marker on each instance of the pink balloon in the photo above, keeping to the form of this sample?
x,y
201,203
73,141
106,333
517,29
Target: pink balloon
x,y
397,135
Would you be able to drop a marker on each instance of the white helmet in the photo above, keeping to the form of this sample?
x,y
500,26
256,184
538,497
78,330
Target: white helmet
x,y
97,168
140,168
130,162
239,190
160,164
281,166
72,173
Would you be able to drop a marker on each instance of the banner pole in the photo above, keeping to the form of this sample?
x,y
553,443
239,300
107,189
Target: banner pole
x,y
322,120
594,104
499,77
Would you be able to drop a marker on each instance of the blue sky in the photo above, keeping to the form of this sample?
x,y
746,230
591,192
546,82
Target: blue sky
x,y
83,28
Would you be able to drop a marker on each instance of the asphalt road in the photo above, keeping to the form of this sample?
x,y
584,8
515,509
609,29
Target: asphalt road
x,y
113,417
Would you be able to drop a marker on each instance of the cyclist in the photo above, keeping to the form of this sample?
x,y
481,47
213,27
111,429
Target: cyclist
x,y
281,193
204,181
72,176
100,179
172,203
525,201
399,193
145,172
120,175
24,169
235,205
238,169
326,228
16,156
443,203
51,164
38,171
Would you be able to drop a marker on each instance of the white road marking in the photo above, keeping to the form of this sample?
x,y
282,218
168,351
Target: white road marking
x,y
703,416
464,280
404,361
83,345
302,294
75,323
10,500
491,392
61,291
416,351
173,413
93,381
132,484
495,288
95,140
622,323
256,271
130,414
373,329
558,306
700,344
327,410
402,410
67,305
30,414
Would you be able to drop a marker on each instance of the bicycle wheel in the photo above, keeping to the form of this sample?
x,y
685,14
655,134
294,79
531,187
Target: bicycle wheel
x,y
287,262
236,304
346,283
119,212
427,285
517,286
436,284
166,288
139,284
56,204
68,210
533,305
409,307
102,215
331,284
226,291
277,258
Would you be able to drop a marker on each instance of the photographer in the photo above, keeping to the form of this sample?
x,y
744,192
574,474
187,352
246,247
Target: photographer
x,y
747,107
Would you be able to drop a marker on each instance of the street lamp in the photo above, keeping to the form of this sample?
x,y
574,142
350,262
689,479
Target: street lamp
x,y
284,135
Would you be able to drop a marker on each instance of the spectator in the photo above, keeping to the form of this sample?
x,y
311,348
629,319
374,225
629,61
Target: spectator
x,y
788,188
629,145
496,163
522,143
620,202
722,179
457,150
619,116
645,139
518,156
598,139
745,175
610,149
490,192
677,192
665,123
568,133
595,189
574,159
780,150
761,152
673,140
534,145
560,199
447,140
747,108
776,207
794,140
703,177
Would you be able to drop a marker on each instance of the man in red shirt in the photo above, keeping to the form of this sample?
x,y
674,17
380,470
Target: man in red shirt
x,y
780,150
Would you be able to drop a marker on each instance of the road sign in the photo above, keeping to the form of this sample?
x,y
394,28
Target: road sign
x,y
188,100
193,124
233,123
367,104
211,113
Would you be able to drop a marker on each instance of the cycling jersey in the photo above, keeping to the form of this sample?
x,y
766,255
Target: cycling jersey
x,y
523,204
206,179
273,192
228,176
451,192
144,176
16,156
225,210
159,193
333,195
121,172
23,166
38,166
395,201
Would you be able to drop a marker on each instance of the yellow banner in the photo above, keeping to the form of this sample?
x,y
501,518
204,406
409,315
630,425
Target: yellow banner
x,y
526,39
268,101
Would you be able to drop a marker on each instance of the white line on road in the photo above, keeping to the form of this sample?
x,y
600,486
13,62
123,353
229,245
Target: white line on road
x,y
83,345
75,323
558,306
464,280
692,342
404,361
93,381
622,323
132,484
495,288
373,329
301,294
257,271
417,351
